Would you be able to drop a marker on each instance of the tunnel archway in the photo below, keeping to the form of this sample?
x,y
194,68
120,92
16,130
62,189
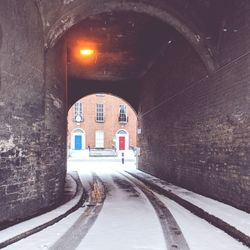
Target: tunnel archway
x,y
171,13
167,98
119,70
192,88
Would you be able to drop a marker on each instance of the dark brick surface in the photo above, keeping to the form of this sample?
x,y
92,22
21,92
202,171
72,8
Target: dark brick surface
x,y
25,157
197,135
195,124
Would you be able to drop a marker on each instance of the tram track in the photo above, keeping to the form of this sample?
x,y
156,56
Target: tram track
x,y
92,208
123,212
80,196
173,235
199,212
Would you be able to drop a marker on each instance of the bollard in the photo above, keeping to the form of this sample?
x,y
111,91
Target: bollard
x,y
122,158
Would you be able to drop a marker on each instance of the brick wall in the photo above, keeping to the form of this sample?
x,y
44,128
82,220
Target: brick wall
x,y
110,125
29,180
195,130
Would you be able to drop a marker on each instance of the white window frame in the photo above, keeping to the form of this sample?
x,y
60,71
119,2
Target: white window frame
x,y
122,116
78,112
99,112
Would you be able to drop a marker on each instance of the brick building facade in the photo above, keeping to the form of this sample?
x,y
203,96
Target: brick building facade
x,y
101,121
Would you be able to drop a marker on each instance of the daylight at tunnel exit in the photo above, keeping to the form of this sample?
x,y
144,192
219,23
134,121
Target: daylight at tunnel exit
x,y
125,125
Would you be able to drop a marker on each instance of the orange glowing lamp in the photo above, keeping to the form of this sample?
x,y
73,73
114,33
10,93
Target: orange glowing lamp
x,y
87,52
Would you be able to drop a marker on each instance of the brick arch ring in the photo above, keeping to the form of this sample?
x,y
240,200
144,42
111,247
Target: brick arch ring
x,y
165,13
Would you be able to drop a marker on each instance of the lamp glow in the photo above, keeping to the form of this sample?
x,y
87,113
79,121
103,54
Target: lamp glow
x,y
87,52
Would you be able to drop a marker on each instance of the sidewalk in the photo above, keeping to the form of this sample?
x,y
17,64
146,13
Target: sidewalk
x,y
233,221
83,155
73,194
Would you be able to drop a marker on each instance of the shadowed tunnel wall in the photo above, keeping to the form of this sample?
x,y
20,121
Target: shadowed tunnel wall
x,y
32,100
195,127
194,121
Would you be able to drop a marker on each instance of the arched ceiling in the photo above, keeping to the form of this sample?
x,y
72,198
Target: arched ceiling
x,y
129,37
125,43
191,18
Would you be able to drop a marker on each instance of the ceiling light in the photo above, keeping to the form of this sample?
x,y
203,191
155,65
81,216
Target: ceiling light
x,y
87,52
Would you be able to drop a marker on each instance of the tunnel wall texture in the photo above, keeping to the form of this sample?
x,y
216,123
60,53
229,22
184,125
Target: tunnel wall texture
x,y
59,16
29,180
195,127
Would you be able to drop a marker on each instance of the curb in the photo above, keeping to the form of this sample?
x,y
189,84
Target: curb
x,y
217,222
80,195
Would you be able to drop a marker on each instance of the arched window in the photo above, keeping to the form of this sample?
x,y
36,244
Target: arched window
x,y
78,112
78,130
122,132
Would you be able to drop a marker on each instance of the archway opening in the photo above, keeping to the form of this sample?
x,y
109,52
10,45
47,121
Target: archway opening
x,y
102,127
154,54
146,61
160,64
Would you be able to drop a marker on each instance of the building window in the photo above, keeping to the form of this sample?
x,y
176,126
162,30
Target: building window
x,y
99,112
122,117
78,112
99,139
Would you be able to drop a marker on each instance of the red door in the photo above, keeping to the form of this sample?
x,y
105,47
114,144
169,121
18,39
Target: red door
x,y
122,143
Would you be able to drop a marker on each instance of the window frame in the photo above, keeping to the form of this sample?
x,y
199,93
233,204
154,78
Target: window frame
x,y
78,112
122,115
99,113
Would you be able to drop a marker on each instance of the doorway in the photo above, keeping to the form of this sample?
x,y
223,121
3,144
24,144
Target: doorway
x,y
122,140
78,139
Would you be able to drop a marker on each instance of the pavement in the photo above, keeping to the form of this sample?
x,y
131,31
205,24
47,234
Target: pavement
x,y
73,197
83,155
231,220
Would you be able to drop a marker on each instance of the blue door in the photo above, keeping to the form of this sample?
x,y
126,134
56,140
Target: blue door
x,y
78,142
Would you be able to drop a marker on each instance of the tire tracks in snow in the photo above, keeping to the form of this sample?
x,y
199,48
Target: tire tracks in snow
x,y
73,237
174,237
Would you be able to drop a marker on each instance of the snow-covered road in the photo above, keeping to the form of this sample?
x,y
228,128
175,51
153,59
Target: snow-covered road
x,y
126,220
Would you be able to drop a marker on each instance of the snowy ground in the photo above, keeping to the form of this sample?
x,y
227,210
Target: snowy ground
x,y
127,220
83,155
235,217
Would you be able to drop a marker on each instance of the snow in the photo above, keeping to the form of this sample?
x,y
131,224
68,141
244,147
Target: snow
x,y
83,155
48,237
129,222
42,219
125,222
199,233
233,216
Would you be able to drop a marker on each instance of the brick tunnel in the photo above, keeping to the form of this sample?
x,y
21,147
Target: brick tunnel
x,y
183,65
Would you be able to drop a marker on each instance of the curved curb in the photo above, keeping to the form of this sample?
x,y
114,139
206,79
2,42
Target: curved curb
x,y
80,196
217,222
